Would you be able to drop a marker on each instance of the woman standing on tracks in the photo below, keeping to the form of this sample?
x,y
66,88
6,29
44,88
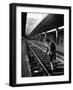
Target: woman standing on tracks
x,y
52,51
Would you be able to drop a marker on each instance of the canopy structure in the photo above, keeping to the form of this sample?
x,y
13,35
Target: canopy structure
x,y
50,22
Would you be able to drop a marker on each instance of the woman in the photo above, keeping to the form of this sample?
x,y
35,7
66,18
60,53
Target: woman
x,y
51,48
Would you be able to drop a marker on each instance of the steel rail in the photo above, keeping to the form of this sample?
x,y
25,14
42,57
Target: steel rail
x,y
39,61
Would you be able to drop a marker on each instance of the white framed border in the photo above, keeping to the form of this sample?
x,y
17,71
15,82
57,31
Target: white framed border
x,y
25,80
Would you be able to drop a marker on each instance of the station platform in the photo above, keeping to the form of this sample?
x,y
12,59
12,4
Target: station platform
x,y
37,65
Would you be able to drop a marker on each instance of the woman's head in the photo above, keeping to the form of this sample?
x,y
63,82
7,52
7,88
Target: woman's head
x,y
47,40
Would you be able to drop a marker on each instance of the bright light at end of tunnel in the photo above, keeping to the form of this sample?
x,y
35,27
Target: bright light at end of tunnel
x,y
33,19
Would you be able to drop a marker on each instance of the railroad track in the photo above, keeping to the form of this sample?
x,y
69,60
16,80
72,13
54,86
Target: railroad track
x,y
45,63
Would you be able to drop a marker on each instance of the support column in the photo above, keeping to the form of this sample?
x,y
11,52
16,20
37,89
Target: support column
x,y
45,35
57,35
24,16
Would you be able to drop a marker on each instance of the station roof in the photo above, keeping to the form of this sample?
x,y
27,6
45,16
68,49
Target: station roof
x,y
51,21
